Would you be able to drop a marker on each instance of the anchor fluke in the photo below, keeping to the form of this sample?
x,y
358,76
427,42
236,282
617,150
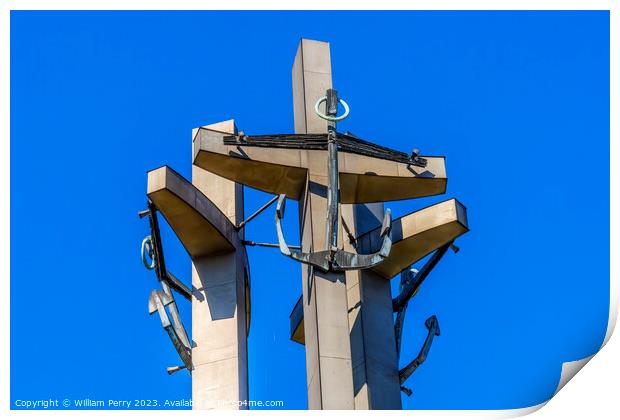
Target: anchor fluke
x,y
335,259
432,324
155,298
349,261
406,390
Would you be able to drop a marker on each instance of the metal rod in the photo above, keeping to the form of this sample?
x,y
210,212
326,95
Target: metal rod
x,y
179,286
409,290
331,231
406,277
267,245
173,369
256,213
144,213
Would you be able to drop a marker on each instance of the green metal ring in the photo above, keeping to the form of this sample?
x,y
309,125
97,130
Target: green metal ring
x,y
147,242
327,117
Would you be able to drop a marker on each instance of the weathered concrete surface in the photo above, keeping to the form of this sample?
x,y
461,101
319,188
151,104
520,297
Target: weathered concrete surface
x,y
326,325
312,76
220,283
199,224
416,235
371,322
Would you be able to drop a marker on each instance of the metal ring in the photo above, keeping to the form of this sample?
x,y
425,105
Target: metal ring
x,y
327,117
147,247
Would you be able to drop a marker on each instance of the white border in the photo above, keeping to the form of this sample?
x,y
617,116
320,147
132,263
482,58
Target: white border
x,y
599,386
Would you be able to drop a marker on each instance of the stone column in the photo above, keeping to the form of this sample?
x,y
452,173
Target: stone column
x,y
371,350
371,320
326,326
220,284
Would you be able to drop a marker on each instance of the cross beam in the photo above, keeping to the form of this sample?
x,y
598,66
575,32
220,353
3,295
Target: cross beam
x,y
366,174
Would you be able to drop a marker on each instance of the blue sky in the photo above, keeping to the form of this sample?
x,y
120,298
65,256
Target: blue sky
x,y
518,102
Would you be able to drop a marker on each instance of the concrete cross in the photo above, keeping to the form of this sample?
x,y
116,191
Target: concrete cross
x,y
351,359
344,319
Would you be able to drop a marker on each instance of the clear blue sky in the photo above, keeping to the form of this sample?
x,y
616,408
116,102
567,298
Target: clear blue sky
x,y
517,101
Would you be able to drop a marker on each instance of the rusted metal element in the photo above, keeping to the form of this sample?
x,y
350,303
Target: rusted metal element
x,y
432,324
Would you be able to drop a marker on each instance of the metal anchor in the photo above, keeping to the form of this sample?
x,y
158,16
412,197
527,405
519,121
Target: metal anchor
x,y
410,281
159,300
332,258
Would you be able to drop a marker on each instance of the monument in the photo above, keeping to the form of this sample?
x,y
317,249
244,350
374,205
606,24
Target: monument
x,y
347,319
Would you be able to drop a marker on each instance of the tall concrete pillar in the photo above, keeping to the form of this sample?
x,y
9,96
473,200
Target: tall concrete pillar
x,y
371,320
326,325
220,295
372,345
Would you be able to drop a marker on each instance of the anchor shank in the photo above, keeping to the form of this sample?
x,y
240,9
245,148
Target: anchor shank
x,y
162,274
158,253
331,107
411,287
329,366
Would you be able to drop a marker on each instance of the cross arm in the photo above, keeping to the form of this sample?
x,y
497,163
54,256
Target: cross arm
x,y
277,171
416,235
280,165
199,224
